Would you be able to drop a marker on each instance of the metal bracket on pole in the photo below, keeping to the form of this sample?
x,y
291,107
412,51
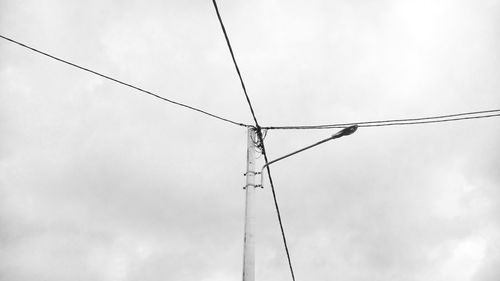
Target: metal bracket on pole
x,y
251,173
254,185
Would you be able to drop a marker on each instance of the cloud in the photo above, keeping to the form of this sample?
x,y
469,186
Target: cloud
x,y
100,182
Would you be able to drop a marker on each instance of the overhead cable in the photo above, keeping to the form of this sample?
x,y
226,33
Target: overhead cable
x,y
278,212
259,136
398,122
432,121
235,63
124,83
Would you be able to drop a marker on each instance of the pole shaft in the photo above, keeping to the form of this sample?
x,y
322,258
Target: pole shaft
x,y
249,242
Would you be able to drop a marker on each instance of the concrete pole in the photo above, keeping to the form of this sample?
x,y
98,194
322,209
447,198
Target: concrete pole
x,y
249,243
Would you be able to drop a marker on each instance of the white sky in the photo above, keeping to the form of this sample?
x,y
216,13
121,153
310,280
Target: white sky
x,y
100,182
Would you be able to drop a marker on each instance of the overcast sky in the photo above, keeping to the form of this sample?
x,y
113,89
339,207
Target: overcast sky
x,y
100,182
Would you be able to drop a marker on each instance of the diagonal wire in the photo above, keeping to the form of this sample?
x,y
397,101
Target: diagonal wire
x,y
278,211
260,137
235,64
124,83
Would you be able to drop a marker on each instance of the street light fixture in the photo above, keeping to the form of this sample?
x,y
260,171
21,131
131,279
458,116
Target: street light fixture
x,y
344,132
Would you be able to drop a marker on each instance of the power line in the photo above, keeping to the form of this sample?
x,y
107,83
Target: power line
x,y
427,122
259,136
235,63
278,212
124,83
393,122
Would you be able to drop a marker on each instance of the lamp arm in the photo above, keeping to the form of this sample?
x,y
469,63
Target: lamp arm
x,y
293,153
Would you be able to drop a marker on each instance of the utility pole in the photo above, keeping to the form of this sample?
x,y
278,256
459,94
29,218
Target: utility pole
x,y
249,240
